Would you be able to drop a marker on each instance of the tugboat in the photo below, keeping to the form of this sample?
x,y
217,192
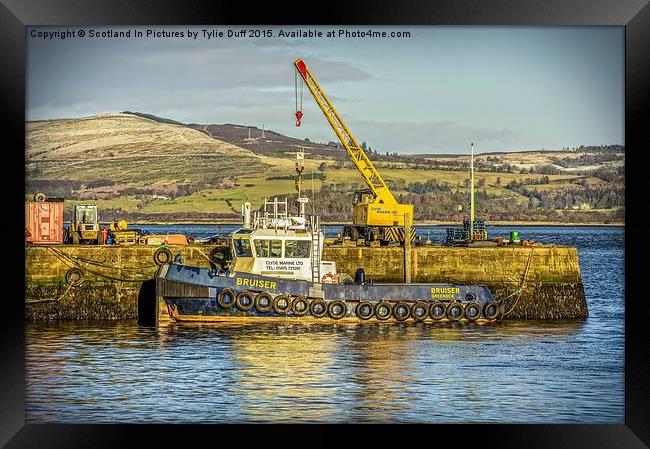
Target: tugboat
x,y
277,273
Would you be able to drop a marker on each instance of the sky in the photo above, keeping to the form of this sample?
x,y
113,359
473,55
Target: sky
x,y
503,88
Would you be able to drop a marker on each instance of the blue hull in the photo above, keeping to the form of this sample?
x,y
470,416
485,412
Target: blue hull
x,y
198,294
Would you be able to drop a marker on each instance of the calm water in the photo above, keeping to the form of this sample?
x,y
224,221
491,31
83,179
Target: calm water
x,y
509,372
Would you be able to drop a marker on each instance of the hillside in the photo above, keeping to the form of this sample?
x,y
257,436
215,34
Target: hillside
x,y
269,143
142,167
110,155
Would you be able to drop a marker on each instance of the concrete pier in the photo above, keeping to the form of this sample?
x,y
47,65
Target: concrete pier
x,y
548,275
117,279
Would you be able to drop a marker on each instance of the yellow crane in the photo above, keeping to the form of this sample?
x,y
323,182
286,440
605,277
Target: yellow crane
x,y
376,214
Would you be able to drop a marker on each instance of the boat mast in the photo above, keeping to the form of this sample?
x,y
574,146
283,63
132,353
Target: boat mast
x,y
300,167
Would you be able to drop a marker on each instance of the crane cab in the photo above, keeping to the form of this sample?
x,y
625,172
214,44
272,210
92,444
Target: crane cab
x,y
363,196
369,210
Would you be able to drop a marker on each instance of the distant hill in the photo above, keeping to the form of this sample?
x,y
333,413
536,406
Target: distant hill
x,y
272,144
153,117
116,154
142,167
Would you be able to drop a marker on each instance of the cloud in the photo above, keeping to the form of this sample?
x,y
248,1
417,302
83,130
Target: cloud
x,y
230,66
435,136
198,82
540,98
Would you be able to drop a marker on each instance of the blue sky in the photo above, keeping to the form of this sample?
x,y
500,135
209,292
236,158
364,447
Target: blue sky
x,y
503,88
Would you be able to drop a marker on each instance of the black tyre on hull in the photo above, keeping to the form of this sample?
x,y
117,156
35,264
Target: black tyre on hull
x,y
244,301
281,304
337,309
318,308
383,310
364,310
437,310
455,311
300,306
472,311
401,311
226,298
491,310
263,302
419,311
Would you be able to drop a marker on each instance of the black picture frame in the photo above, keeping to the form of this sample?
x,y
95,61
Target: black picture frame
x,y
633,14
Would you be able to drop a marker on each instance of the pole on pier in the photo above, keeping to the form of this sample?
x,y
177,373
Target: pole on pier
x,y
471,200
407,248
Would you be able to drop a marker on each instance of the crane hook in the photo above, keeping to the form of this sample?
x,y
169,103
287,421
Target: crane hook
x,y
298,117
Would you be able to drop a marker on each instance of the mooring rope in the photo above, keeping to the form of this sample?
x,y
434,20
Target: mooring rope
x,y
521,287
70,261
94,262
517,291
203,254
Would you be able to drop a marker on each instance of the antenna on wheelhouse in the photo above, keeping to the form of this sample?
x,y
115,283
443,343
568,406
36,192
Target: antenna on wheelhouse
x,y
300,168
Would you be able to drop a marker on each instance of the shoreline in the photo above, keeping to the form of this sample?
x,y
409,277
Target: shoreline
x,y
427,223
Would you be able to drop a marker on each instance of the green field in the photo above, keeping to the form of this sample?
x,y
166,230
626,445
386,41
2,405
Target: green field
x,y
129,164
255,189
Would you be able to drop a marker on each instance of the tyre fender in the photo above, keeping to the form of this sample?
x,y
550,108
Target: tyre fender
x,y
263,302
74,277
333,306
162,256
226,298
244,301
315,306
281,304
364,310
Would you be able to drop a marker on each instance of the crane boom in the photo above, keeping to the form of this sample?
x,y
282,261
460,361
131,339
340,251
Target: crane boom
x,y
364,165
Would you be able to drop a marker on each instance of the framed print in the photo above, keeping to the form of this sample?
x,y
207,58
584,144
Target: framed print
x,y
423,215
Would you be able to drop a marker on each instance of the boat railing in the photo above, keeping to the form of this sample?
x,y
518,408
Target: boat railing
x,y
275,215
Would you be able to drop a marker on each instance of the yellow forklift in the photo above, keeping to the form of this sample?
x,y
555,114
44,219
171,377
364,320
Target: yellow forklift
x,y
84,227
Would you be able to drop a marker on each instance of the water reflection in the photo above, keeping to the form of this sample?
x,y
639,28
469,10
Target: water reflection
x,y
543,372
285,372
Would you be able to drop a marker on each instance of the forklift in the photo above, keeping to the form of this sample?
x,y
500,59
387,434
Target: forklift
x,y
84,227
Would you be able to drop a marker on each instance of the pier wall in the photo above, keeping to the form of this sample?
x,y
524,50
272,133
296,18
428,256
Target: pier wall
x,y
551,286
114,275
113,279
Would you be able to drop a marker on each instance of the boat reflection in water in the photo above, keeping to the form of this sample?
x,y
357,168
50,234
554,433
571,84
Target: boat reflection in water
x,y
509,371
293,372
364,372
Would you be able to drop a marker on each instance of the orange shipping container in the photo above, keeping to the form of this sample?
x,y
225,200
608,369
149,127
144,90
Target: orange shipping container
x,y
44,222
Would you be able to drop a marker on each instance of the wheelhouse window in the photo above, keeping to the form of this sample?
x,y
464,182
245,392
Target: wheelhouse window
x,y
296,248
268,248
243,247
